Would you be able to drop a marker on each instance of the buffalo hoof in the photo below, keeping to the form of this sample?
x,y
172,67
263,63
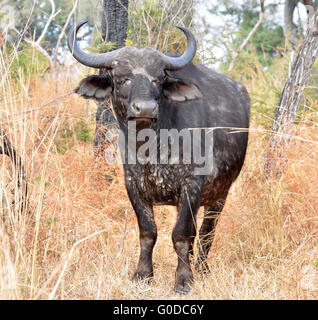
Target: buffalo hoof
x,y
182,284
182,289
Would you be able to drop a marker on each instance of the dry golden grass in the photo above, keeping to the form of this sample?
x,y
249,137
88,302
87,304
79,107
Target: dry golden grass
x,y
78,238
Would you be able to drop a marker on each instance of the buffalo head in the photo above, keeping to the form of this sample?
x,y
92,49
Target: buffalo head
x,y
135,78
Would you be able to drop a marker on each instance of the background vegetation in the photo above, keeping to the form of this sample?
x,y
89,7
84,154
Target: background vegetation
x,y
78,236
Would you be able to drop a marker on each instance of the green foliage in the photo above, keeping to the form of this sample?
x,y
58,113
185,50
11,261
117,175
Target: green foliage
x,y
265,40
50,221
152,23
136,21
82,132
106,46
36,13
64,141
264,84
67,137
242,17
100,46
28,63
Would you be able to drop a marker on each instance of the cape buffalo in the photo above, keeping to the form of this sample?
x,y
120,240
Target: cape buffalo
x,y
173,98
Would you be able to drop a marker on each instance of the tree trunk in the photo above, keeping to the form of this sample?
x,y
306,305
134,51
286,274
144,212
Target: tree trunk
x,y
115,21
290,29
114,29
286,111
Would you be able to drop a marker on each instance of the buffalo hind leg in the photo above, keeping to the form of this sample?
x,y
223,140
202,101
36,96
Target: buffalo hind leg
x,y
147,235
182,237
206,234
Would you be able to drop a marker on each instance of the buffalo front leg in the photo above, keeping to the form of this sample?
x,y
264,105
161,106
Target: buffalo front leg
x,y
206,234
147,235
182,237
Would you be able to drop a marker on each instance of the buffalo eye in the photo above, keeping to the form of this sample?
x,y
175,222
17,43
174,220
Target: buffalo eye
x,y
155,82
123,81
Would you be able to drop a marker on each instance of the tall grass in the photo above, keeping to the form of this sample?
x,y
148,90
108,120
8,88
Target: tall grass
x,y
78,236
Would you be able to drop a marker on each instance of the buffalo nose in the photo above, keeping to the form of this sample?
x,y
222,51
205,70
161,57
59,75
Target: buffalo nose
x,y
144,109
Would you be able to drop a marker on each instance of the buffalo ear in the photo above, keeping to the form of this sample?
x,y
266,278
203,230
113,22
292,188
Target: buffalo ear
x,y
95,87
178,91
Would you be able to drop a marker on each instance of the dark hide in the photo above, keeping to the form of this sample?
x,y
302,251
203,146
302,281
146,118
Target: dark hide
x,y
193,97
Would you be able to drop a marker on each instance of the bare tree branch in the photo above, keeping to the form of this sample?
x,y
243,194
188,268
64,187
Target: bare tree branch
x,y
37,44
250,35
63,32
